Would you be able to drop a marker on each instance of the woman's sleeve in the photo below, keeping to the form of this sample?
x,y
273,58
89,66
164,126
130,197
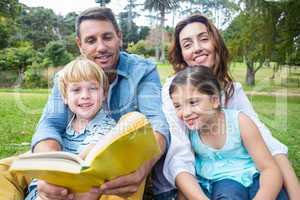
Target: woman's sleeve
x,y
179,157
241,102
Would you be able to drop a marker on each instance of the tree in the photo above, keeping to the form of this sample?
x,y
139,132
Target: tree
x,y
56,53
38,25
263,31
18,59
102,2
9,9
130,34
161,6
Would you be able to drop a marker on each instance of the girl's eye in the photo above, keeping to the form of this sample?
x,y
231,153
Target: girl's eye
x,y
176,106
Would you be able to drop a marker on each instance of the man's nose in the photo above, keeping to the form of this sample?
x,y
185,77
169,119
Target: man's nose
x,y
101,45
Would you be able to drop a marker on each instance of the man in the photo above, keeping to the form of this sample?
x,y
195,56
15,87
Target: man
x,y
134,85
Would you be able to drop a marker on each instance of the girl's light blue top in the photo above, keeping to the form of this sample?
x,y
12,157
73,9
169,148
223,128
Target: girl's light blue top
x,y
232,161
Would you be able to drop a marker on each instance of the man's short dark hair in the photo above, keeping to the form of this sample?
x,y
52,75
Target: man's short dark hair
x,y
96,13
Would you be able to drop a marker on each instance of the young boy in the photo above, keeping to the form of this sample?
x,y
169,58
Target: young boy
x,y
84,87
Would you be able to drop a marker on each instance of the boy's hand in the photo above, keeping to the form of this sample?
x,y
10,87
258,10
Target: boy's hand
x,y
48,191
86,151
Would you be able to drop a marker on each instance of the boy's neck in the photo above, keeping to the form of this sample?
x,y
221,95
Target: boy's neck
x,y
79,123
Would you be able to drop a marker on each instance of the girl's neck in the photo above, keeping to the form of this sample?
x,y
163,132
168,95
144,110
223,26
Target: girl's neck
x,y
215,125
79,123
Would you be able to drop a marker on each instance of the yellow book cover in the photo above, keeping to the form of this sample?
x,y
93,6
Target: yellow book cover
x,y
126,148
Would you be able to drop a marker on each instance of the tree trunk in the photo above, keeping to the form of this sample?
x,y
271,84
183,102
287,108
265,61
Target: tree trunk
x,y
162,22
250,77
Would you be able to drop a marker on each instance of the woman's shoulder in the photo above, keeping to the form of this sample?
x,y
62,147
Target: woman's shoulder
x,y
168,81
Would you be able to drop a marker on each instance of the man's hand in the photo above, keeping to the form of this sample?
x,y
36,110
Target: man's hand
x,y
126,186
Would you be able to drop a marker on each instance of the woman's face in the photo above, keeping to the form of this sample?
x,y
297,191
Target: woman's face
x,y
196,45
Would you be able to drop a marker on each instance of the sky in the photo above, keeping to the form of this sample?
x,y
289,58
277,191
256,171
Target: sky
x,y
63,7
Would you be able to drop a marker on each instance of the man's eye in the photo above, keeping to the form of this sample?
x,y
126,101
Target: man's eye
x,y
90,41
108,37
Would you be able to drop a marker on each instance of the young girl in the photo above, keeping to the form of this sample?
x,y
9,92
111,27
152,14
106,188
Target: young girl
x,y
232,161
198,42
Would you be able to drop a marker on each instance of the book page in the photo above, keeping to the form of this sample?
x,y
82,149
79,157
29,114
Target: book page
x,y
130,121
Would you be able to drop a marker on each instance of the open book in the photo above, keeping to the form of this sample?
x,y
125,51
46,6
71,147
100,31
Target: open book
x,y
125,149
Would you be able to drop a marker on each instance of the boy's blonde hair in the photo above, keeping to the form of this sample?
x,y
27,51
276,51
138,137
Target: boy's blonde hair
x,y
82,69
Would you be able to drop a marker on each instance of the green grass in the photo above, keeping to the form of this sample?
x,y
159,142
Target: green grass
x,y
20,111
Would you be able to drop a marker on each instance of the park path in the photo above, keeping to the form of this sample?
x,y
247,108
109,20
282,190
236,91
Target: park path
x,y
282,93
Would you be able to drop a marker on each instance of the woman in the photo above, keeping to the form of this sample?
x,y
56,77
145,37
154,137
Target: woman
x,y
198,42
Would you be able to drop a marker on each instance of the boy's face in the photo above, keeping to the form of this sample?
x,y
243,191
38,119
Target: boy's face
x,y
84,98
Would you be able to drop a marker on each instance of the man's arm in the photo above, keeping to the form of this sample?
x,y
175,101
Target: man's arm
x,y
149,103
52,123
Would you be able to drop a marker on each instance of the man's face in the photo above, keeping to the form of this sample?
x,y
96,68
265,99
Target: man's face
x,y
100,42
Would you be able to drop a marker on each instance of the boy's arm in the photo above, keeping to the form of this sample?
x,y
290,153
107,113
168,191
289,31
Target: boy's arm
x,y
270,176
189,186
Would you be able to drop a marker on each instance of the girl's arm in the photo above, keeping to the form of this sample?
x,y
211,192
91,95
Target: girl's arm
x,y
189,187
270,177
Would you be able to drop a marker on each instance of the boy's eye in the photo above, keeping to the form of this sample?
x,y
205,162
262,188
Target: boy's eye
x,y
75,89
194,102
93,88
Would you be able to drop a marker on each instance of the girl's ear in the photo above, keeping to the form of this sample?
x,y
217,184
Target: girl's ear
x,y
215,100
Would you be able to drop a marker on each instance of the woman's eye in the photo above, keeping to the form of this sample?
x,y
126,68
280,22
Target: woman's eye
x,y
187,45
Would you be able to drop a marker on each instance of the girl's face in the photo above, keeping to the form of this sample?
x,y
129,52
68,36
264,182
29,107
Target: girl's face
x,y
196,45
196,109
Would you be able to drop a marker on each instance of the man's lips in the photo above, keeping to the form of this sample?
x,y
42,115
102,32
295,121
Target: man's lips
x,y
102,58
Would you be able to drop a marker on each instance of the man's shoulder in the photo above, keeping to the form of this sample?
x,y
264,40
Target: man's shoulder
x,y
137,63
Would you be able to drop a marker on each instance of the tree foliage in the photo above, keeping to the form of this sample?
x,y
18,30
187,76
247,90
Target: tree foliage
x,y
264,30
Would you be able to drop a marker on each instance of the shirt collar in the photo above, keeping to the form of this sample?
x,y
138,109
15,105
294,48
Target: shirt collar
x,y
98,119
122,67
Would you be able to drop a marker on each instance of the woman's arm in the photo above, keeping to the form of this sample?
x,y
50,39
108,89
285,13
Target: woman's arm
x,y
189,187
270,176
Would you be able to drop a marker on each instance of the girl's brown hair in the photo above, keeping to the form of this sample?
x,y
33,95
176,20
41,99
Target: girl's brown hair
x,y
220,69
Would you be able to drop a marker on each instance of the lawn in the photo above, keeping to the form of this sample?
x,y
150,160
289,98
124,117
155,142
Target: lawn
x,y
20,111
